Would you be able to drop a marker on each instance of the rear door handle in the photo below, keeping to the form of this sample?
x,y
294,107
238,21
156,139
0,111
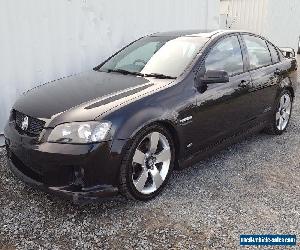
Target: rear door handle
x,y
244,84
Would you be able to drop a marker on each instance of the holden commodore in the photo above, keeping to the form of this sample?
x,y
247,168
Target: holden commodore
x,y
162,102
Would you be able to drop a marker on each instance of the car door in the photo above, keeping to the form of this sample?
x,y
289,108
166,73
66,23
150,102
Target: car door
x,y
264,69
223,108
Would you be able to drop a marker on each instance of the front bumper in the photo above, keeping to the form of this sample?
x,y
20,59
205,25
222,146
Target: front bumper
x,y
76,172
67,192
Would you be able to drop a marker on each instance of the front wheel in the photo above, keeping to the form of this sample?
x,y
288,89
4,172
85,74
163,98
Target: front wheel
x,y
147,164
281,115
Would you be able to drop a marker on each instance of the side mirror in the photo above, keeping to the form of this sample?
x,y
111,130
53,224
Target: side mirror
x,y
288,52
215,76
210,77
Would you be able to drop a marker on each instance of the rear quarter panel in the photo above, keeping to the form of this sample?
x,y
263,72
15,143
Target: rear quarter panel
x,y
289,75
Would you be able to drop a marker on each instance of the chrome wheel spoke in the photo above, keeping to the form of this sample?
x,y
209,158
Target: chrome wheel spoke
x,y
138,157
278,116
154,138
141,181
281,121
163,156
287,103
156,177
285,116
282,101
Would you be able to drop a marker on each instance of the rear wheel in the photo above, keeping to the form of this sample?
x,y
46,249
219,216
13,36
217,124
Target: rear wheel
x,y
281,115
147,164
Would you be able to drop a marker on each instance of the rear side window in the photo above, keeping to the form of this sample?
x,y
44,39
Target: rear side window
x,y
227,56
274,53
258,51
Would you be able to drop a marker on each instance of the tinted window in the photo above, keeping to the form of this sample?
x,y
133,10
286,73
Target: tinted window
x,y
258,51
227,56
274,53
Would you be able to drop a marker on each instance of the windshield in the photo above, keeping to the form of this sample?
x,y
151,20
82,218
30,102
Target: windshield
x,y
156,56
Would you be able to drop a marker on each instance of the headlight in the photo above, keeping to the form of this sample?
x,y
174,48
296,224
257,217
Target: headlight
x,y
80,132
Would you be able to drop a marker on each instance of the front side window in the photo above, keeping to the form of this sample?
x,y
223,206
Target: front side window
x,y
157,55
258,51
227,56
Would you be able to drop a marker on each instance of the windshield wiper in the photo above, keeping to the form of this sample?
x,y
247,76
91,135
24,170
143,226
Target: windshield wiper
x,y
160,76
125,72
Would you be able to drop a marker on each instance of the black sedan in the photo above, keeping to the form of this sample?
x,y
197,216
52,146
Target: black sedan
x,y
162,102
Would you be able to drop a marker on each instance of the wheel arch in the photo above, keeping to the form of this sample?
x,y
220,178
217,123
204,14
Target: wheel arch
x,y
170,127
290,88
286,84
174,133
283,88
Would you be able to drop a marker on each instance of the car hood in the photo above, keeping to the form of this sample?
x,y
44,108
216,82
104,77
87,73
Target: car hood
x,y
84,96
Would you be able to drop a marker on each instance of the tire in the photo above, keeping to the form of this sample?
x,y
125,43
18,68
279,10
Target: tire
x,y
146,168
281,114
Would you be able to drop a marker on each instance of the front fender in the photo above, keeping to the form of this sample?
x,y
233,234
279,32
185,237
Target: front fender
x,y
127,126
168,107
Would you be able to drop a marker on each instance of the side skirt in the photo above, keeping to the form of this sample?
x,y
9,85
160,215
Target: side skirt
x,y
220,145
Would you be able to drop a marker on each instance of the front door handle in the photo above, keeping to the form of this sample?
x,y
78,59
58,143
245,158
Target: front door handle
x,y
244,84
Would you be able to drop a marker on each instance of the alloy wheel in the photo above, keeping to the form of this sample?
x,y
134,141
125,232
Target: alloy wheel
x,y
151,163
284,112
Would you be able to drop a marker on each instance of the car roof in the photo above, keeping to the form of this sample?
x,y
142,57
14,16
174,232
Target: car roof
x,y
195,33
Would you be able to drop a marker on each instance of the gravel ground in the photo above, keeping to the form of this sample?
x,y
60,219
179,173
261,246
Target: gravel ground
x,y
250,188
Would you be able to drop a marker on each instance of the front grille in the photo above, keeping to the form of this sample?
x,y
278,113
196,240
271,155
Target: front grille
x,y
35,126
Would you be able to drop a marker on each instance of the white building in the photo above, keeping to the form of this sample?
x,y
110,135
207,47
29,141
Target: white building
x,y
277,20
42,40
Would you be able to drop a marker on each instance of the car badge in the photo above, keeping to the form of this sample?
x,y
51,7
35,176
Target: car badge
x,y
25,123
